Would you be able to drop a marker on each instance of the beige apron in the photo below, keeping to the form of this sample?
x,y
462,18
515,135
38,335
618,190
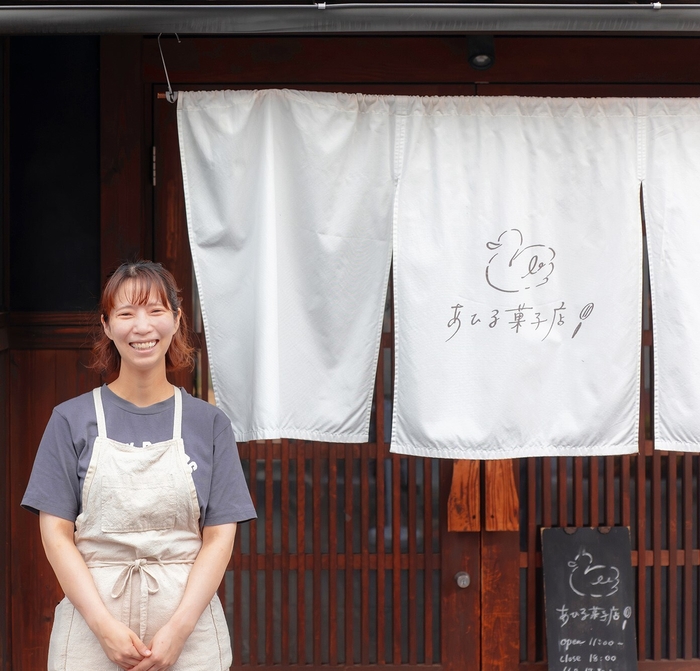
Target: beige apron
x,y
138,533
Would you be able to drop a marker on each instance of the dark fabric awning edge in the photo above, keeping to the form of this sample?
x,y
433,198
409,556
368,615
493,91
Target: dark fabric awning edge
x,y
349,18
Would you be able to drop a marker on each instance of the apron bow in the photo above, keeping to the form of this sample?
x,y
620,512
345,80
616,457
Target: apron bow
x,y
122,586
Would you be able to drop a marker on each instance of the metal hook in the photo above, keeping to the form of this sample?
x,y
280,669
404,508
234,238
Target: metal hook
x,y
170,95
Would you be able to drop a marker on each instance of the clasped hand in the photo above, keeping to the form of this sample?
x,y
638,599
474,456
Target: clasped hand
x,y
129,652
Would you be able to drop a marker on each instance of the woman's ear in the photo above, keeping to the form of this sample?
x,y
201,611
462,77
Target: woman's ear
x,y
177,319
105,327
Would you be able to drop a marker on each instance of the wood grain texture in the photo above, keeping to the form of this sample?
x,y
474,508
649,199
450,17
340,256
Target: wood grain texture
x,y
464,502
500,616
502,506
52,330
123,154
460,608
39,380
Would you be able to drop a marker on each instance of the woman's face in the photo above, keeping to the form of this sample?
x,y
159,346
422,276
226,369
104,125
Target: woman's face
x,y
141,332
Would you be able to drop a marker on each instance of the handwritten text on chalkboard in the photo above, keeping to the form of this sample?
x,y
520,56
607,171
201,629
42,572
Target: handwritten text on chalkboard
x,y
589,600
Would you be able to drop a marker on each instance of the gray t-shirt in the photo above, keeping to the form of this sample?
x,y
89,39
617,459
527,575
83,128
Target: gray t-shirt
x,y
56,482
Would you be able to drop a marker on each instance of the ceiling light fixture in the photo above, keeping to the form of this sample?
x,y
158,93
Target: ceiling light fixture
x,y
481,52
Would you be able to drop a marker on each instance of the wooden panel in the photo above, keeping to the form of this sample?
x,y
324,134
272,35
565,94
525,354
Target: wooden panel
x,y
595,90
286,60
461,611
5,507
502,505
123,153
594,59
464,503
4,334
500,583
39,381
34,589
52,330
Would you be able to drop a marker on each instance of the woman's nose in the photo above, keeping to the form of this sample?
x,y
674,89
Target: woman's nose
x,y
142,322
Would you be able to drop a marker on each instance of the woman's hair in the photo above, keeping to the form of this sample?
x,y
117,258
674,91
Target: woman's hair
x,y
146,277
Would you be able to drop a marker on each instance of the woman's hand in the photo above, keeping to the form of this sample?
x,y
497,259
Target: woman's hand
x,y
121,644
166,647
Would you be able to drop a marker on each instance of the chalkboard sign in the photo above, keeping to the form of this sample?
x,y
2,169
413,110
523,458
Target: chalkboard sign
x,y
589,599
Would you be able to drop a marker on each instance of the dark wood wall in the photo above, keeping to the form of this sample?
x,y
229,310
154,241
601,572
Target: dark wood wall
x,y
43,355
5,537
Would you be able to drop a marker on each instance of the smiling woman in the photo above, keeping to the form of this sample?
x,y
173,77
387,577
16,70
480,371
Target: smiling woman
x,y
125,511
140,295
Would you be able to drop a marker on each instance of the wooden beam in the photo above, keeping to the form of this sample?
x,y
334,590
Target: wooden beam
x,y
502,504
460,607
464,503
500,605
51,330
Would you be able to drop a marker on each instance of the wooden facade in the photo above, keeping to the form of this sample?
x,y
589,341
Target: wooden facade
x,y
352,560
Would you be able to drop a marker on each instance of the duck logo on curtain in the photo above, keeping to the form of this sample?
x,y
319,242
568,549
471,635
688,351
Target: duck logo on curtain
x,y
514,267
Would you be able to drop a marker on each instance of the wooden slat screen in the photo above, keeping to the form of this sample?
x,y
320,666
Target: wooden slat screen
x,y
342,565
654,493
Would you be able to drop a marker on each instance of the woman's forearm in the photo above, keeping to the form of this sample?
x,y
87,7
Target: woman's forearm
x,y
120,644
70,569
205,576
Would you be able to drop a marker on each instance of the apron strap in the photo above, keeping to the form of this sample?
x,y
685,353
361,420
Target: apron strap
x,y
99,411
177,420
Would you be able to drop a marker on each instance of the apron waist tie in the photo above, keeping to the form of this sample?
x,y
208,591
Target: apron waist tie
x,y
122,586
149,585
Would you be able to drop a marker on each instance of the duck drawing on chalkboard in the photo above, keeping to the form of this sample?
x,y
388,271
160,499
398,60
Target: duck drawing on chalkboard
x,y
589,579
516,268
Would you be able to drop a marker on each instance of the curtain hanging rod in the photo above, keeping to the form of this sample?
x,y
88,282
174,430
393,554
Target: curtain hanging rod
x,y
352,17
364,5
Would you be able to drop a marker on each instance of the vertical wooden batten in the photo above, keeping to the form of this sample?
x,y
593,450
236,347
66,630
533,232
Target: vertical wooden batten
x,y
464,503
460,608
500,568
502,504
123,162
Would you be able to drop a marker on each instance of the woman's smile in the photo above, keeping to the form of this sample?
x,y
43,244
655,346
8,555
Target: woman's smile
x,y
144,345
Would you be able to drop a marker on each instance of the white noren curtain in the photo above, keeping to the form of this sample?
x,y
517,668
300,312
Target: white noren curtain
x,y
518,267
289,198
515,226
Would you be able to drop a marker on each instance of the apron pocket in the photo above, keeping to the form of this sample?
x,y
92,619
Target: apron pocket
x,y
137,506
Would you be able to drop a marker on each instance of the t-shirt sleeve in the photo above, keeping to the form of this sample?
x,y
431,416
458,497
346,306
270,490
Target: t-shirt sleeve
x,y
229,498
53,485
